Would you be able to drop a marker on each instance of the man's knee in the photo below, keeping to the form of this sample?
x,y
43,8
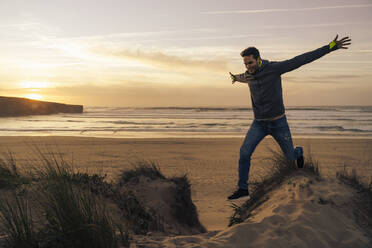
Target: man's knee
x,y
245,153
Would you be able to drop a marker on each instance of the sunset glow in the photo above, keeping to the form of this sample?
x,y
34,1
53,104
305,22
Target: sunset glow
x,y
33,85
180,53
34,96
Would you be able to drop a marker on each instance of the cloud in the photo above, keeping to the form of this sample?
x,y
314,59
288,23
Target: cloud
x,y
165,61
257,11
304,25
141,35
207,38
328,79
157,36
346,62
363,51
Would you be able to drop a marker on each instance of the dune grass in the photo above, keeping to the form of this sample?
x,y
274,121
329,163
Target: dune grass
x,y
281,170
362,200
53,205
16,217
9,174
75,218
184,209
68,215
149,169
138,219
143,220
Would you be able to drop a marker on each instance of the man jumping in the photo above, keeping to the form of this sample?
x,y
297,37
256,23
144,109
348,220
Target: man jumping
x,y
265,84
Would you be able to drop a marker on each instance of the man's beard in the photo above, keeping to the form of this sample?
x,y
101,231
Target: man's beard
x,y
253,70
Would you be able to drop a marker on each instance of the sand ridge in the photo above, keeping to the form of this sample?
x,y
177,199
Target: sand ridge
x,y
302,212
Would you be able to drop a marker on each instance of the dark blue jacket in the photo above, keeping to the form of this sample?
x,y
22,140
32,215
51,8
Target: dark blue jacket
x,y
266,83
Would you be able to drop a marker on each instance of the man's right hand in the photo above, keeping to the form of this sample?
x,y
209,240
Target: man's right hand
x,y
233,78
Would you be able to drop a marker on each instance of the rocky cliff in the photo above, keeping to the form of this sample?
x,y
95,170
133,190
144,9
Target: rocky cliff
x,y
14,106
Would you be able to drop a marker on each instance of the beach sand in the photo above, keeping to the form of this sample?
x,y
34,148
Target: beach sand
x,y
210,163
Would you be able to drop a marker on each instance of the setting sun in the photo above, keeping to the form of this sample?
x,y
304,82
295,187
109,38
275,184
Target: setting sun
x,y
34,96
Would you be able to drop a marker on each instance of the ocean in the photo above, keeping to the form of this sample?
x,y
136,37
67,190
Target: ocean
x,y
188,122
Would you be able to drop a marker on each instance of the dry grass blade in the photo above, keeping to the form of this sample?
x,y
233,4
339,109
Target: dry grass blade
x,y
17,223
281,169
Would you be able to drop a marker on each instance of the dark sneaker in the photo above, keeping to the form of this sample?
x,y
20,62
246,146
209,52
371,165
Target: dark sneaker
x,y
239,194
300,162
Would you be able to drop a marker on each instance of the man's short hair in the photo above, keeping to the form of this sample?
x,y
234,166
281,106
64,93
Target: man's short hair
x,y
251,51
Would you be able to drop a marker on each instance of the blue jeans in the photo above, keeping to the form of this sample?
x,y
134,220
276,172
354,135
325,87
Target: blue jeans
x,y
279,129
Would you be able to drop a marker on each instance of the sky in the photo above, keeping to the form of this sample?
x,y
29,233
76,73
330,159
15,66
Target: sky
x,y
143,53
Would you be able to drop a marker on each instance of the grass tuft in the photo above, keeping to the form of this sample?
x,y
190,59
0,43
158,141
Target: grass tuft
x,y
145,168
143,220
281,170
9,175
138,220
18,226
311,165
363,198
75,217
184,209
68,214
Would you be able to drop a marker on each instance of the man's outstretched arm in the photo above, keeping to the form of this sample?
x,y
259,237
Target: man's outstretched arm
x,y
242,78
296,62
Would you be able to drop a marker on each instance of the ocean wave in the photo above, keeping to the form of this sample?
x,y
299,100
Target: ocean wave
x,y
101,110
356,120
168,116
115,130
341,129
313,108
39,130
214,124
222,109
366,109
201,109
349,119
329,120
53,120
137,123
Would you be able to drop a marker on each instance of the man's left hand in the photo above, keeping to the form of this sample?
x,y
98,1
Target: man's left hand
x,y
342,43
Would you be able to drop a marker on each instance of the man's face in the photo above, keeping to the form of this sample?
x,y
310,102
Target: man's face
x,y
251,63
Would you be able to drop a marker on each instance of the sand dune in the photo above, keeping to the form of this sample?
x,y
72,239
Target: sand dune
x,y
303,212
